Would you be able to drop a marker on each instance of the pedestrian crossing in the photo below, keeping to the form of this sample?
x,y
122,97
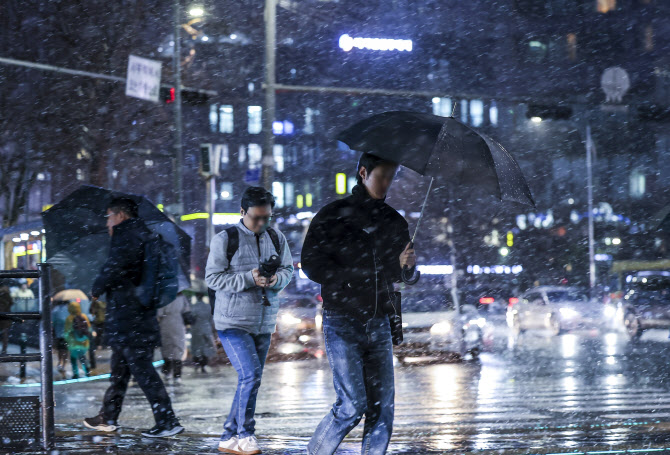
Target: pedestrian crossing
x,y
545,394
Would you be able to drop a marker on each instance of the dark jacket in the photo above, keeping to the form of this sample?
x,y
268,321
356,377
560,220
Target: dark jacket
x,y
127,322
6,303
344,242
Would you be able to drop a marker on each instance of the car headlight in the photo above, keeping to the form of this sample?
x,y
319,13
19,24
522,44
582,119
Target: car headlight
x,y
610,311
441,328
289,319
569,312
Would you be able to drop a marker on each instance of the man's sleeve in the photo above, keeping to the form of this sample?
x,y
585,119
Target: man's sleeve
x,y
318,255
285,271
216,275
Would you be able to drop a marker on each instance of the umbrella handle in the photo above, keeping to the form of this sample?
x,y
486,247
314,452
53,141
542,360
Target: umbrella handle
x,y
408,278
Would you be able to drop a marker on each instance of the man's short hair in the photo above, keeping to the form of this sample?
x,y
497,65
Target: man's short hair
x,y
369,162
256,196
125,205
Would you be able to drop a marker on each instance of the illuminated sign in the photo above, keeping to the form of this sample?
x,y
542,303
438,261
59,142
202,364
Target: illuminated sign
x,y
347,43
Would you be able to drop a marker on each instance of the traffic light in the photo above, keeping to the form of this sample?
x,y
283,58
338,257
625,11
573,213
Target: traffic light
x,y
166,94
190,97
545,112
194,98
209,160
653,112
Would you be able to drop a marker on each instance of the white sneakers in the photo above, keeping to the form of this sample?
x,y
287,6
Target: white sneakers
x,y
229,446
249,446
244,446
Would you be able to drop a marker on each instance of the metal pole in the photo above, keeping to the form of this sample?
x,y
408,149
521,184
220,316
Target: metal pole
x,y
73,72
589,186
211,188
270,93
452,255
454,274
22,365
418,94
46,367
178,159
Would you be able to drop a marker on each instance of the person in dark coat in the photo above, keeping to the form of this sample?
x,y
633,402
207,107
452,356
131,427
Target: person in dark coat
x,y
355,249
6,303
131,329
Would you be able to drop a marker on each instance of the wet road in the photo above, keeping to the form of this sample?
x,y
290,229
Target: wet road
x,y
580,392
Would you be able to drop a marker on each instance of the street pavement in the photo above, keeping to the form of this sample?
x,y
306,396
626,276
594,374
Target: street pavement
x,y
583,392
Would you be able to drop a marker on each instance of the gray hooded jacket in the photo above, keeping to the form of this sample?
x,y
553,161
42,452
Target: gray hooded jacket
x,y
238,299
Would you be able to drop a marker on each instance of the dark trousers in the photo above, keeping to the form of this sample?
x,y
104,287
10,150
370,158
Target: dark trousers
x,y
172,366
95,342
127,361
200,361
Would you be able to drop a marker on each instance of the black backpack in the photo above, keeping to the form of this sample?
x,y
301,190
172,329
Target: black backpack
x,y
80,328
233,246
160,273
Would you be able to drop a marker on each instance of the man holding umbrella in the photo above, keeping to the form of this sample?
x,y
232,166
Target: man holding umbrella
x,y
131,329
356,248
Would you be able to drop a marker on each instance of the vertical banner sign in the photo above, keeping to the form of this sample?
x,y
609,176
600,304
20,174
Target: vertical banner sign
x,y
144,78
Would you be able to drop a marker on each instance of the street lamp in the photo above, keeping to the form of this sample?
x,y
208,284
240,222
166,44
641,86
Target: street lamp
x,y
196,11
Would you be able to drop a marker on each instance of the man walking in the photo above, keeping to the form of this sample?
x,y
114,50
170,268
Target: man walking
x,y
246,280
356,248
131,329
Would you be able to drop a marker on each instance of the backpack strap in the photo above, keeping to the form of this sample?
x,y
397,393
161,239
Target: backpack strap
x,y
233,242
275,240
233,246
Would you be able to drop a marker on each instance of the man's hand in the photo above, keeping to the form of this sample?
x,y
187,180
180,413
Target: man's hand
x,y
407,257
273,281
261,281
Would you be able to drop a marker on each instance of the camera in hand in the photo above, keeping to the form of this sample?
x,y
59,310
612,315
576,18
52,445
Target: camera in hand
x,y
268,269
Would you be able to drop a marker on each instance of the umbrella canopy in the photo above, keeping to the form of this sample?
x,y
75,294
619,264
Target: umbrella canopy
x,y
77,240
69,295
442,148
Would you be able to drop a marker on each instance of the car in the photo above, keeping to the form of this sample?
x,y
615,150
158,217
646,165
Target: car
x,y
298,331
557,308
432,327
490,294
643,303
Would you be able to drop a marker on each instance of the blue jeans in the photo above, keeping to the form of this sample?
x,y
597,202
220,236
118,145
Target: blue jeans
x,y
361,357
247,353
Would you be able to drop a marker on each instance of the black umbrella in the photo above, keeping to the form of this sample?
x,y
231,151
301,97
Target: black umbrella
x,y
661,221
442,148
77,240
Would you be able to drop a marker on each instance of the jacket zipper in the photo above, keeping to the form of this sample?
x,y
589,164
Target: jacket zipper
x,y
258,244
374,258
